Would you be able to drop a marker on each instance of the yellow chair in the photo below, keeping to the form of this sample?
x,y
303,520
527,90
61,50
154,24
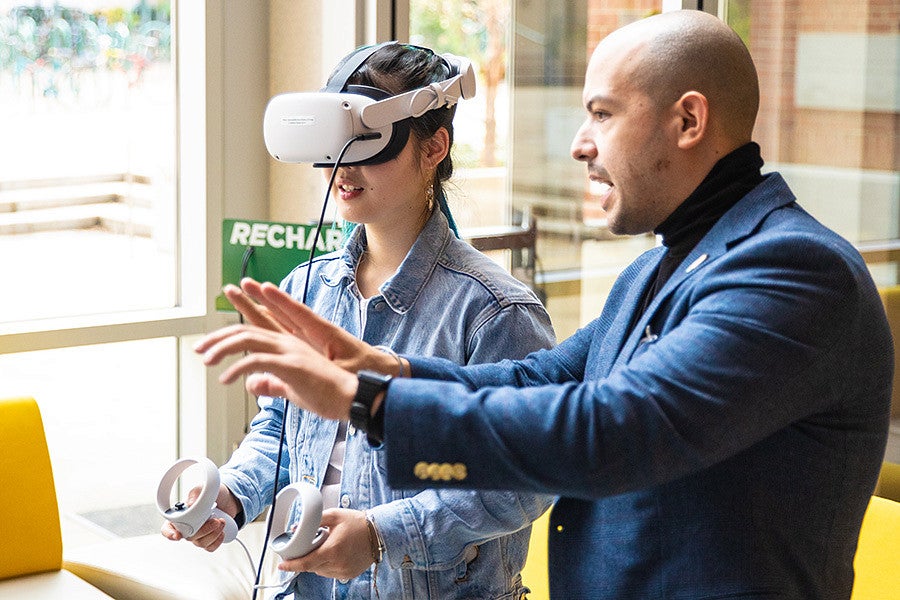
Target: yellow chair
x,y
877,562
535,574
889,482
890,296
30,535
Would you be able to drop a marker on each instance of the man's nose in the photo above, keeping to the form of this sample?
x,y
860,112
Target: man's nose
x,y
583,147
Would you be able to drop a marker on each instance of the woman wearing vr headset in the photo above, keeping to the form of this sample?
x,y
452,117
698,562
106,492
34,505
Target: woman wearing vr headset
x,y
404,281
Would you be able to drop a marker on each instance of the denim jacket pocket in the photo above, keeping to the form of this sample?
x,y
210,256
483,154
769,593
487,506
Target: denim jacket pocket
x,y
462,569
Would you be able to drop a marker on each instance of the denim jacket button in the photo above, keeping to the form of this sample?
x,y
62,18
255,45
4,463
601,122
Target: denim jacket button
x,y
345,500
351,430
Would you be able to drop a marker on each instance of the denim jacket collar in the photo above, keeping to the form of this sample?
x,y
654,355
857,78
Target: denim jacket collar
x,y
402,289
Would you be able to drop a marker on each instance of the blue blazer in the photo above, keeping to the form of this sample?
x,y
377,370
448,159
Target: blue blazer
x,y
722,445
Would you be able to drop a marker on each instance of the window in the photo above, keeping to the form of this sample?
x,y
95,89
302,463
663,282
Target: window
x,y
88,226
512,147
100,315
829,119
87,188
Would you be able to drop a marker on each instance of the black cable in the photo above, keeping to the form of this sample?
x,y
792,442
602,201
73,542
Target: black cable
x,y
312,254
245,262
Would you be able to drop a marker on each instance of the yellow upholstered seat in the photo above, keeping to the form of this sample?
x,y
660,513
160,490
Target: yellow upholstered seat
x,y
890,296
889,482
30,535
32,540
535,574
877,562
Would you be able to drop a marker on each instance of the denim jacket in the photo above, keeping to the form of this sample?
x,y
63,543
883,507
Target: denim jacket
x,y
446,300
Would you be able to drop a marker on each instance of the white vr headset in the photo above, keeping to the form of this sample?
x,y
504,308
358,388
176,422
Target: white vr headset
x,y
313,127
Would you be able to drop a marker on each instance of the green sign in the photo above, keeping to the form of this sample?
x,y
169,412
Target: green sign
x,y
268,251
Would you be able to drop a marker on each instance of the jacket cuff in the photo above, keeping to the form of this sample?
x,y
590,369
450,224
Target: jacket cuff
x,y
246,493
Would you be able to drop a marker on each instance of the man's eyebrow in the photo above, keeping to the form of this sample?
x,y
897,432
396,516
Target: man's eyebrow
x,y
599,99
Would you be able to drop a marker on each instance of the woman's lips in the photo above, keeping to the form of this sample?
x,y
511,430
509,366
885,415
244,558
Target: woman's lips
x,y
348,191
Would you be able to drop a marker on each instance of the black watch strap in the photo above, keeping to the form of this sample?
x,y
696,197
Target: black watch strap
x,y
370,385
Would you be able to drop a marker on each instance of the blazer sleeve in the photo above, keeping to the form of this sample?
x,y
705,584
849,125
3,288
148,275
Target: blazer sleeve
x,y
751,346
565,362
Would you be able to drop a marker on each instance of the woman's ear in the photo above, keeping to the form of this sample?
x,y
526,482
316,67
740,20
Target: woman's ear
x,y
435,149
692,110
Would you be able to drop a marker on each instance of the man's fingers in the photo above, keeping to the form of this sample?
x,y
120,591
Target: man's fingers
x,y
235,340
266,384
303,321
254,313
251,287
281,315
257,362
295,317
213,338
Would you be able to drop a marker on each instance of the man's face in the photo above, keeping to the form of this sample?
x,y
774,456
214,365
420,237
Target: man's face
x,y
624,142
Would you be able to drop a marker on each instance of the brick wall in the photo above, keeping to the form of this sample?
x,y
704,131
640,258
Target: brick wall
x,y
862,138
787,132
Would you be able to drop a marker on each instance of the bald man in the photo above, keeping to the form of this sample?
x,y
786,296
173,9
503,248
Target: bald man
x,y
718,430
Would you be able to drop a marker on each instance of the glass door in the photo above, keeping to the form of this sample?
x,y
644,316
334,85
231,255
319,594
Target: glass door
x,y
512,148
829,122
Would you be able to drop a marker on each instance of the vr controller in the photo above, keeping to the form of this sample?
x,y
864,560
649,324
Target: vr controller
x,y
188,519
313,127
305,538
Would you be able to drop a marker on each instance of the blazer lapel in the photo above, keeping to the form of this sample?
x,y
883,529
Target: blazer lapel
x,y
735,225
617,340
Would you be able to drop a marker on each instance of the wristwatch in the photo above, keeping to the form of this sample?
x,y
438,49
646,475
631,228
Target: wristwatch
x,y
370,385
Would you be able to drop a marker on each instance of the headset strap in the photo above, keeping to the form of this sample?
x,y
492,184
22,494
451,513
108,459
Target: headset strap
x,y
339,81
417,102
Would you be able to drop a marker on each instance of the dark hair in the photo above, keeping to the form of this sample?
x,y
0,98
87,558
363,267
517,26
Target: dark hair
x,y
398,68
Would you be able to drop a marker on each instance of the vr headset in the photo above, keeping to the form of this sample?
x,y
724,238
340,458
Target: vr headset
x,y
314,127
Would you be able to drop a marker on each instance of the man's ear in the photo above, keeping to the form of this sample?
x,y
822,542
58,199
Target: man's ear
x,y
435,148
692,110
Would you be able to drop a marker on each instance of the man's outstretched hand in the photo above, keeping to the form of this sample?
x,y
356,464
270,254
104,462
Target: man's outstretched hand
x,y
291,352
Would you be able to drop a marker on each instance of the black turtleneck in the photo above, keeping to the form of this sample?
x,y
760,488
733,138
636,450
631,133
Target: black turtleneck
x,y
729,180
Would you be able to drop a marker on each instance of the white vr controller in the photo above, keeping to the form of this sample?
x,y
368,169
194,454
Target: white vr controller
x,y
188,519
305,538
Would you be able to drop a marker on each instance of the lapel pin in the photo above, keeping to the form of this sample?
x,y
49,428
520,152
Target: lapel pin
x,y
696,263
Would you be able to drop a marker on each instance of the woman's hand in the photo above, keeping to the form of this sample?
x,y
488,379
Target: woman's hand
x,y
346,552
212,533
